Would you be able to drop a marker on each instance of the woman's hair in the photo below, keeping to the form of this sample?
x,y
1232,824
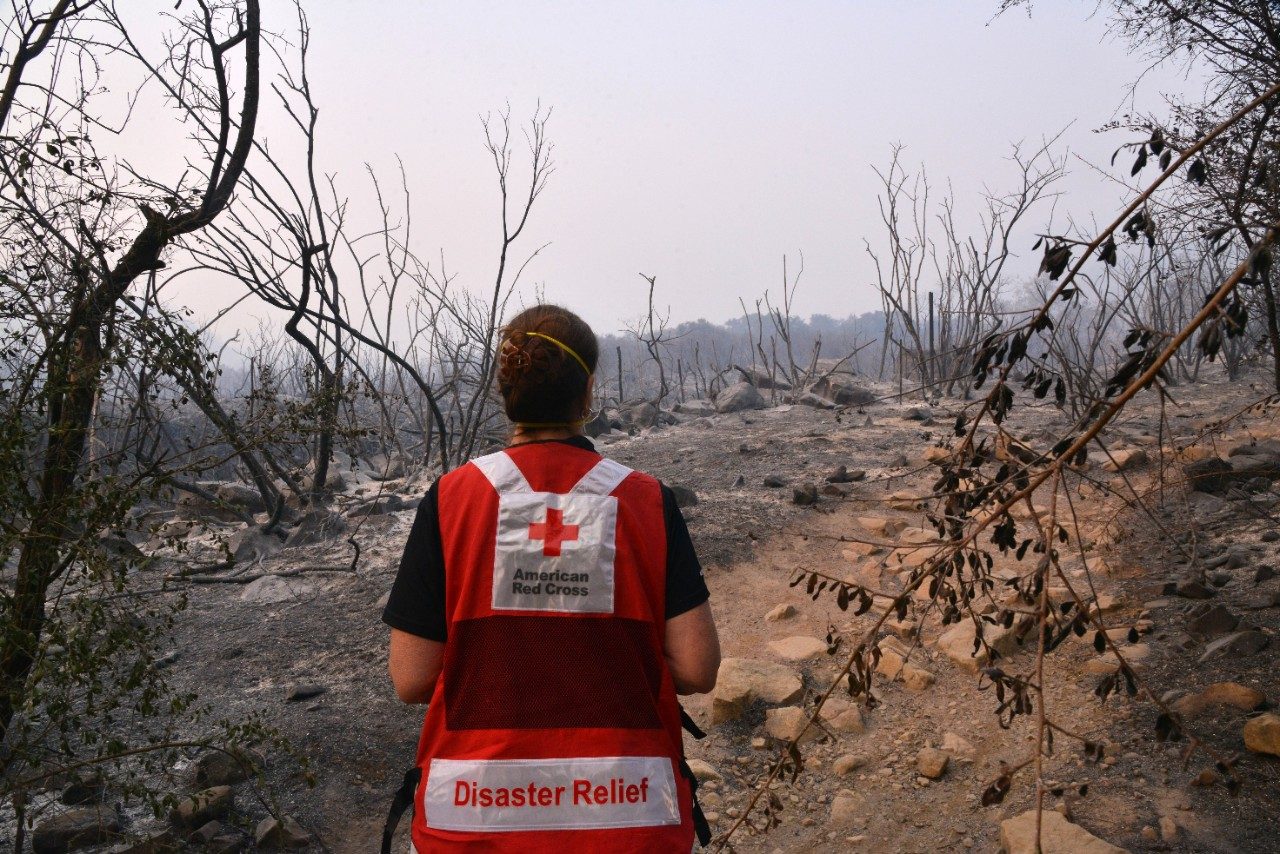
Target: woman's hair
x,y
539,373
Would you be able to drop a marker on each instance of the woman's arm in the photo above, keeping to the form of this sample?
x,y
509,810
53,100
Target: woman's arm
x,y
692,649
414,664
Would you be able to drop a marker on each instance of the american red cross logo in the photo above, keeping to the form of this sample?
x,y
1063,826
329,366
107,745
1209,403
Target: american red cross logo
x,y
553,532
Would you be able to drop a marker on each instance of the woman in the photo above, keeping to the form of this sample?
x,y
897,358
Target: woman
x,y
549,607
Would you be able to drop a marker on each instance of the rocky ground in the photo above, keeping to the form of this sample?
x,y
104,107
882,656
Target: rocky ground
x,y
1191,573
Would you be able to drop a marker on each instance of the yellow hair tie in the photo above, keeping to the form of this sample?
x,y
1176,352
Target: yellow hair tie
x,y
565,347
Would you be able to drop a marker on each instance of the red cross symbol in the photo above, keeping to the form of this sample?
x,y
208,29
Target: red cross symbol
x,y
553,532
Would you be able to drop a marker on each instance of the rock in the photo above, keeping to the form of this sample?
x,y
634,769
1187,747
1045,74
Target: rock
x,y
85,787
763,379
1210,475
844,390
158,842
271,589
1237,644
846,763
894,663
785,611
786,724
899,461
1057,836
1126,459
74,829
600,424
805,495
382,467
1264,467
918,413
958,747
842,716
1263,573
206,833
229,842
1231,694
1262,734
316,526
1168,829
250,545
847,808
224,768
303,691
798,648
739,397
1134,654
643,414
742,681
844,475
1212,622
902,500
834,490
704,771
811,400
957,645
203,807
773,481
932,762
697,408
285,832
882,526
1188,589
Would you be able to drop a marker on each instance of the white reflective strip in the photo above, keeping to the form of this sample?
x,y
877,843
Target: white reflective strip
x,y
502,472
603,478
550,794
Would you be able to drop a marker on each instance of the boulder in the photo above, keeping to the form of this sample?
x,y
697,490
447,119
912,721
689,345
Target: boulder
x,y
643,414
271,589
784,611
1057,836
742,681
1211,475
224,767
1231,694
932,762
798,648
739,397
958,746
598,425
1262,734
894,664
698,408
844,390
74,829
316,526
704,771
805,495
957,644
1212,622
156,842
1237,644
841,716
773,481
847,808
786,724
282,833
250,545
382,467
763,379
844,475
811,400
1126,459
203,807
882,526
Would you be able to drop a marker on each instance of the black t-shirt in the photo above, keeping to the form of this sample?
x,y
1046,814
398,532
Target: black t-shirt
x,y
416,604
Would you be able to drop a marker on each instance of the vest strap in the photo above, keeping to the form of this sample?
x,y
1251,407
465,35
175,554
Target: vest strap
x,y
502,472
604,477
401,801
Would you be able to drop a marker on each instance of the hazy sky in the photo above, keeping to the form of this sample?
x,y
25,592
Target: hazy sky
x,y
699,141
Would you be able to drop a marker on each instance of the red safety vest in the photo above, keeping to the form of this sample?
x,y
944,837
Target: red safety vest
x,y
554,725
